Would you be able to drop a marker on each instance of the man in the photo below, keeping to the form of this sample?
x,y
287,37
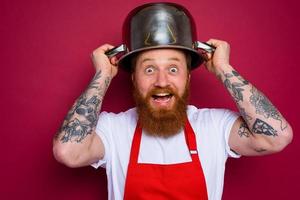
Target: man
x,y
164,149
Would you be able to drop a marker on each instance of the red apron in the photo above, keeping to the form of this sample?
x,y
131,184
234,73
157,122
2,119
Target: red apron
x,y
184,181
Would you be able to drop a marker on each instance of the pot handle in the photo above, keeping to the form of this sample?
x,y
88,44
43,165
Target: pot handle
x,y
114,51
204,46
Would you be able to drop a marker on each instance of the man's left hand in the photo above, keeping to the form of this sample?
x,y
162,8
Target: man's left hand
x,y
220,58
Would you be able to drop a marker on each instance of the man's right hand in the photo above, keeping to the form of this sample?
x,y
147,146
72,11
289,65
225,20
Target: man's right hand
x,y
103,63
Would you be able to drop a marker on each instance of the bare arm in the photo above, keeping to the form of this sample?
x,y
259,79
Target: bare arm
x,y
76,144
262,129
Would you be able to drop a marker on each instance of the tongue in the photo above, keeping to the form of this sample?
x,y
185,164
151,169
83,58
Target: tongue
x,y
164,98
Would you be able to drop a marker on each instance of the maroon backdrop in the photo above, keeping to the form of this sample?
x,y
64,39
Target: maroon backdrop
x,y
45,65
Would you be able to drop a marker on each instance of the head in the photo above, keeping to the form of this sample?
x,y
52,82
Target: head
x,y
161,88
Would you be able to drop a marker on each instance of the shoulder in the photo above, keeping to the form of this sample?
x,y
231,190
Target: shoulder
x,y
195,113
126,116
116,124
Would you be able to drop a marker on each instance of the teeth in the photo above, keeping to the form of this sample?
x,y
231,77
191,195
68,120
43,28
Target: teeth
x,y
162,94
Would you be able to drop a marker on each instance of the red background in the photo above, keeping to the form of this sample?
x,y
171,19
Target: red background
x,y
45,65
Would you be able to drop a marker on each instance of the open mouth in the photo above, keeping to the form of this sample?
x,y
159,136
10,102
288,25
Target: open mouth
x,y
162,97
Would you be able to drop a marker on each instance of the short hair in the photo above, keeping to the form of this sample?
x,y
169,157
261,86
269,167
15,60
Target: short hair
x,y
188,58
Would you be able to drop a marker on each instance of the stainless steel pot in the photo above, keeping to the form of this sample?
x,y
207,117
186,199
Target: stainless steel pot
x,y
159,25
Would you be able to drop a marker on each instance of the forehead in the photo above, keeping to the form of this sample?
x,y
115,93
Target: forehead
x,y
161,55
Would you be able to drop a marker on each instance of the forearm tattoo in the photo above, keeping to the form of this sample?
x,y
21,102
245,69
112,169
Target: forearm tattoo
x,y
82,118
264,107
261,104
243,113
236,87
86,109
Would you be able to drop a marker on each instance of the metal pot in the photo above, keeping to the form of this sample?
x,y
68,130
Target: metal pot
x,y
159,25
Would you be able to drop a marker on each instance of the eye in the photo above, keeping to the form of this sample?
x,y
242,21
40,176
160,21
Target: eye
x,y
173,69
149,70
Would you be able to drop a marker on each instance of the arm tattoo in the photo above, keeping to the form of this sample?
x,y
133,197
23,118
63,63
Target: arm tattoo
x,y
107,82
243,130
243,113
75,131
235,87
264,107
261,127
260,150
93,83
82,118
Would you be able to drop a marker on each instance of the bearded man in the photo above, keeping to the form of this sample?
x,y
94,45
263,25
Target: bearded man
x,y
165,148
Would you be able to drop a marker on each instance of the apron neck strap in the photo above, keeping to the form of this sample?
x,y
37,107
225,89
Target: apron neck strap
x,y
190,139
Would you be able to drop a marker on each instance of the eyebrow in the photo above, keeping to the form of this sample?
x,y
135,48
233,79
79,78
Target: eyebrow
x,y
151,59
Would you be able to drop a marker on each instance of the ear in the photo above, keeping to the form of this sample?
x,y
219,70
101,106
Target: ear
x,y
132,77
189,77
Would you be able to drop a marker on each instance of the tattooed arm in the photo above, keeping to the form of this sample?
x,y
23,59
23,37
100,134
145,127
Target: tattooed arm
x,y
76,143
261,129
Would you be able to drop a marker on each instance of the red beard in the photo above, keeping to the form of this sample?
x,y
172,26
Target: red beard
x,y
161,122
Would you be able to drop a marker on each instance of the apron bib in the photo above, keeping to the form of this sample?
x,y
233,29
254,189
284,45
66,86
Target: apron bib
x,y
182,181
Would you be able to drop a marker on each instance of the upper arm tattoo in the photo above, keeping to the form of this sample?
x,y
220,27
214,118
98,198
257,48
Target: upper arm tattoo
x,y
261,127
243,130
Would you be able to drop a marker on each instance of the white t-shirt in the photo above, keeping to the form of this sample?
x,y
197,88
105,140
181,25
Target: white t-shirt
x,y
211,126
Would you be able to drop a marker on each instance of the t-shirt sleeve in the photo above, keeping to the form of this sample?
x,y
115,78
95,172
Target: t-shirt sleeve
x,y
230,117
225,119
103,131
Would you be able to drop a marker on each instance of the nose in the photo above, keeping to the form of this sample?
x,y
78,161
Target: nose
x,y
161,79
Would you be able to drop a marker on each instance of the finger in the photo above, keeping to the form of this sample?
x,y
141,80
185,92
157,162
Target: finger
x,y
114,60
107,46
104,48
206,55
214,42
